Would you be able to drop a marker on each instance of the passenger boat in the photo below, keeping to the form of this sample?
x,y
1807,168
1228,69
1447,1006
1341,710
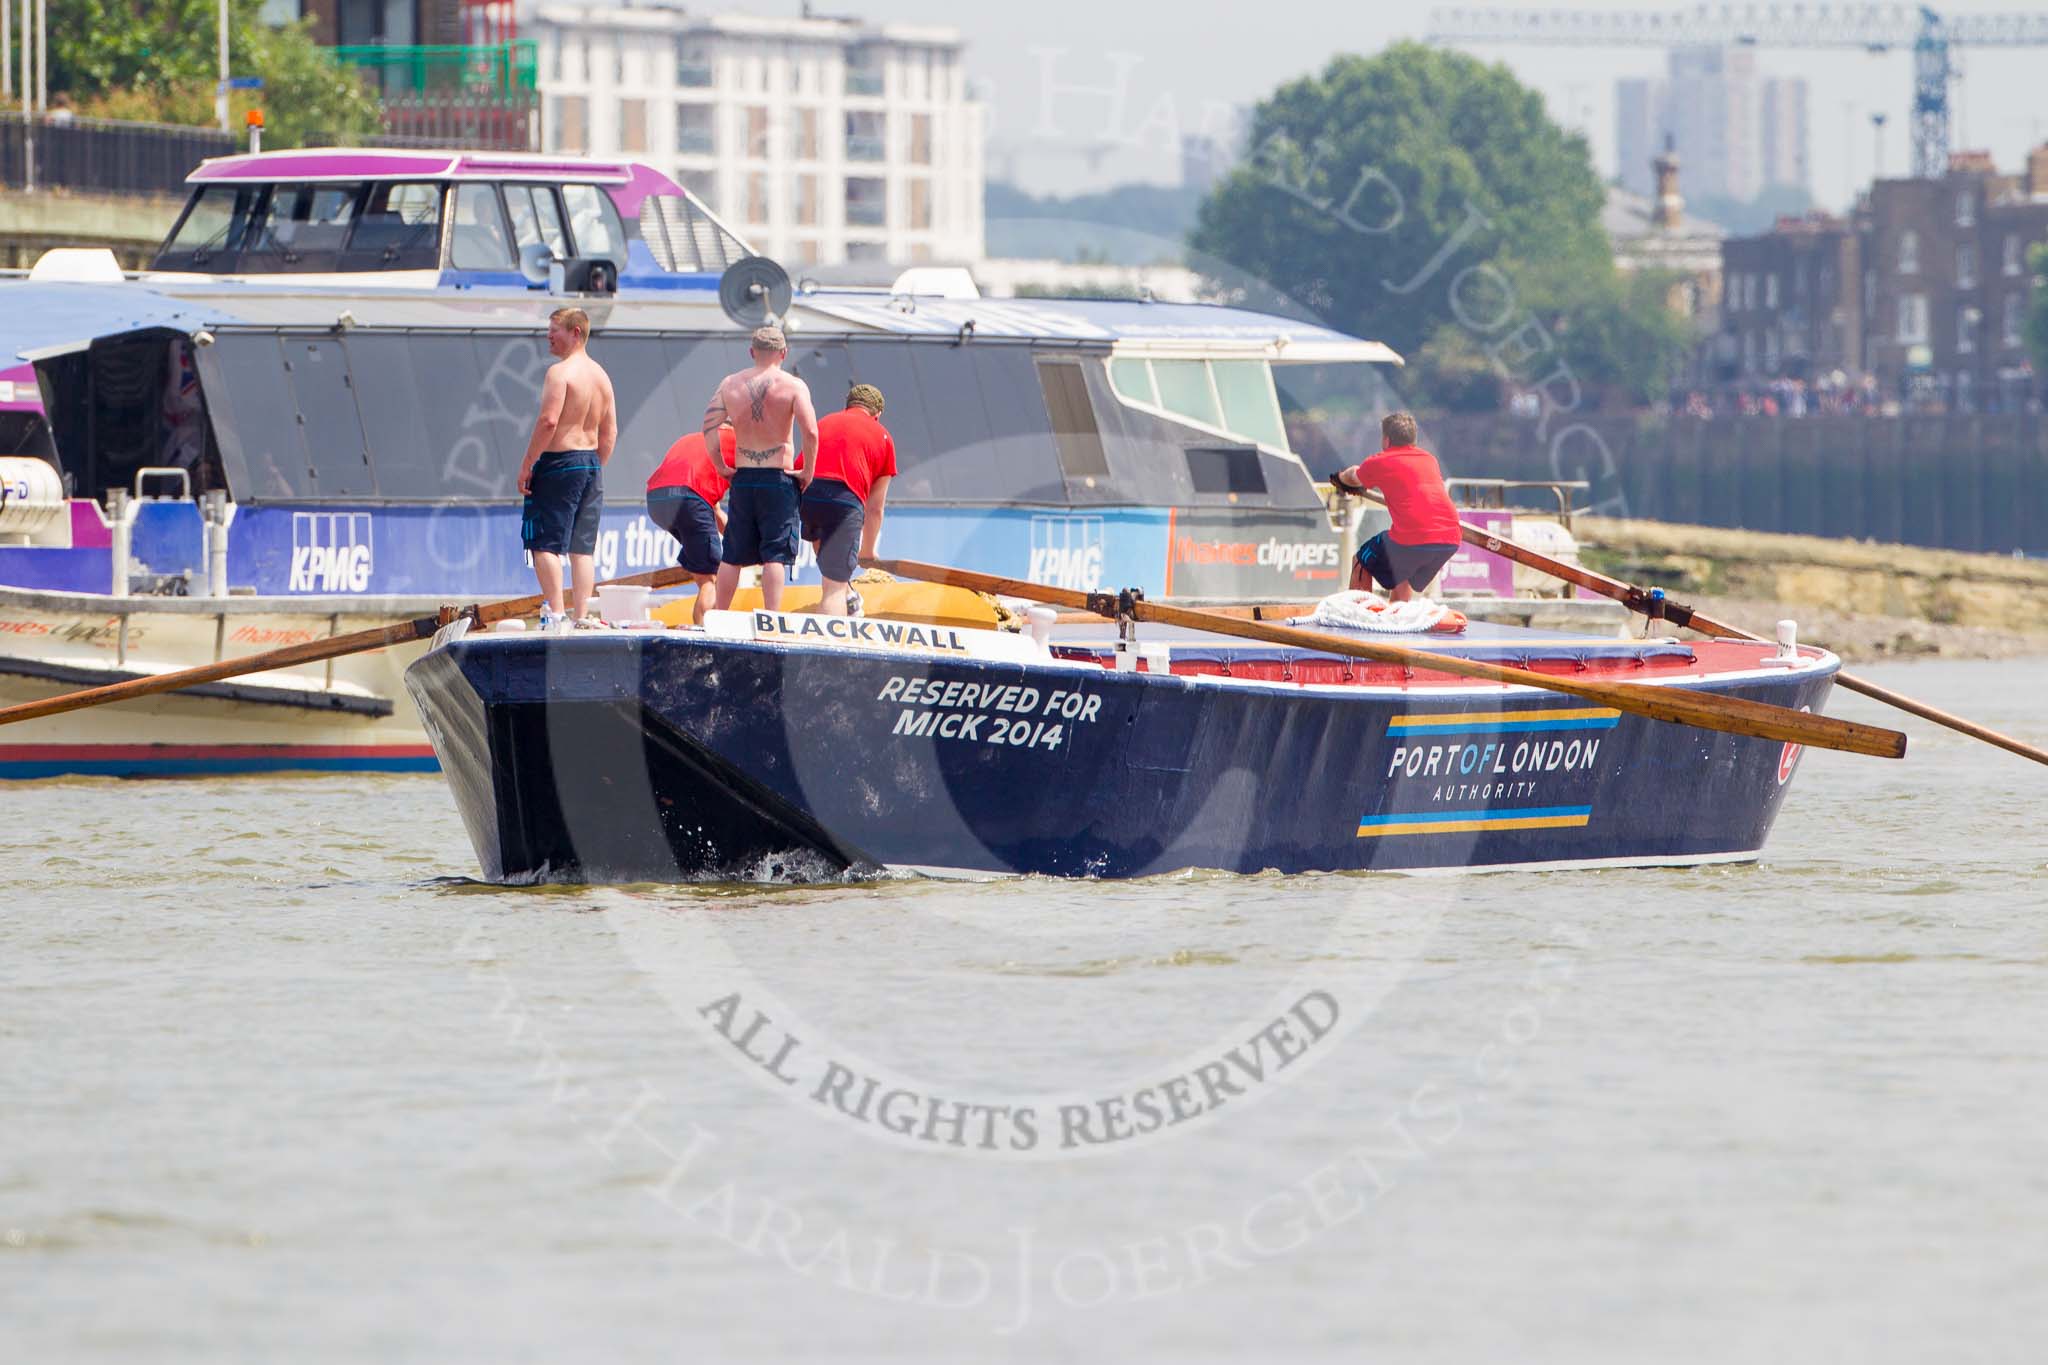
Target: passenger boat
x,y
771,745
311,410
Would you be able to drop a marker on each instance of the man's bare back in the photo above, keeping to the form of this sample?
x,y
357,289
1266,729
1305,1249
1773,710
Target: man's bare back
x,y
762,403
587,404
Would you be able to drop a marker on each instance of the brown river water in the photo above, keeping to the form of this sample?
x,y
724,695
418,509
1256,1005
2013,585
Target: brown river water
x,y
281,1083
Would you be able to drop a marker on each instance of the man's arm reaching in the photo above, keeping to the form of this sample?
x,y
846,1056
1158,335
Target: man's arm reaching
x,y
871,527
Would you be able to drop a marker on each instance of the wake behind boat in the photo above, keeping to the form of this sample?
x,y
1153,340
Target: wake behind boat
x,y
779,744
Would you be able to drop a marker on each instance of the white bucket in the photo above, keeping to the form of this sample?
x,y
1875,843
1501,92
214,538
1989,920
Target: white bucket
x,y
620,604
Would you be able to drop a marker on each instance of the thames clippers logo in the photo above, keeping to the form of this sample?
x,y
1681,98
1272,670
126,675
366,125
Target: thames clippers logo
x,y
1292,558
1066,552
330,552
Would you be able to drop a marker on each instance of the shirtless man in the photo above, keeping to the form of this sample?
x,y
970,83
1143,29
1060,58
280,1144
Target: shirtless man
x,y
762,520
562,474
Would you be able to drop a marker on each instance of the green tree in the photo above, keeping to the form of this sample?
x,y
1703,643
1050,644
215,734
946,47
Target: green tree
x,y
1421,194
157,59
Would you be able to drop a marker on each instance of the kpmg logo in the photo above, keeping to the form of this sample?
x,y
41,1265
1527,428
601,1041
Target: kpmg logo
x,y
1066,552
330,552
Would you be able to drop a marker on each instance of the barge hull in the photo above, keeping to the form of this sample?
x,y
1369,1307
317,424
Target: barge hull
x,y
666,758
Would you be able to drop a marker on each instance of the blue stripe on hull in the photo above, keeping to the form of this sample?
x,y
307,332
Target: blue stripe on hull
x,y
1494,812
1504,727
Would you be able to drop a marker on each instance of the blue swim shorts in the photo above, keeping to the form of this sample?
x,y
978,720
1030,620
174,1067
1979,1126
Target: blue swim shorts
x,y
761,525
683,513
1391,563
832,520
567,502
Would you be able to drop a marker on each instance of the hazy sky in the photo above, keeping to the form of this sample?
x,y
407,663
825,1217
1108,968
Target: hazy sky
x,y
1086,93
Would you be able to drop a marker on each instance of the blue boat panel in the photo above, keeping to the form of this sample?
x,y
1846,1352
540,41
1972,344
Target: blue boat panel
x,y
58,570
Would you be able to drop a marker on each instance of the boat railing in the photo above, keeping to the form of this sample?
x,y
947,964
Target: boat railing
x,y
1492,494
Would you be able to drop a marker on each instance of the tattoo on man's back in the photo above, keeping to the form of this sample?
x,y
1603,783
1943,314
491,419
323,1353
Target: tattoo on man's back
x,y
772,455
757,390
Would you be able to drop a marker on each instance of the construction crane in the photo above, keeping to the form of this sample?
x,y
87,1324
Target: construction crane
x,y
1874,28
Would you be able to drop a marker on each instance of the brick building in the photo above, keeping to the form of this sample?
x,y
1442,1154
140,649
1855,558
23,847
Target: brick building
x,y
1925,289
1790,304
345,23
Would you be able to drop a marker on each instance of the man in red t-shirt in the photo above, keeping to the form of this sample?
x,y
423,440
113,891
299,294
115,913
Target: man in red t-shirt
x,y
1425,532
843,506
682,499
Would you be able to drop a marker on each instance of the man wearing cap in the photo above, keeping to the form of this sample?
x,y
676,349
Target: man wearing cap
x,y
843,506
682,499
761,527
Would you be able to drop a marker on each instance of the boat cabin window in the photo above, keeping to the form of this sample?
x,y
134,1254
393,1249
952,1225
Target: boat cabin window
x,y
1184,390
536,218
480,241
400,228
594,223
1075,434
1132,379
301,227
1250,407
214,226
1233,397
308,229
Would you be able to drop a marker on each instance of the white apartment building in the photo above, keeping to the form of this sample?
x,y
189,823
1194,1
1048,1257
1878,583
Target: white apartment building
x,y
1738,132
817,139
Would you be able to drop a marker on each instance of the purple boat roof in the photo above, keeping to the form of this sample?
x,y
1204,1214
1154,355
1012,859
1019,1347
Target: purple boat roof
x,y
349,163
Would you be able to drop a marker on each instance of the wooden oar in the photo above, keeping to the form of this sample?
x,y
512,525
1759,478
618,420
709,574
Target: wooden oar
x,y
1734,715
313,651
1656,605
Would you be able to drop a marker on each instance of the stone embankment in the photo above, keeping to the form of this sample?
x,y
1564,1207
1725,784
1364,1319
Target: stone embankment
x,y
131,226
1863,600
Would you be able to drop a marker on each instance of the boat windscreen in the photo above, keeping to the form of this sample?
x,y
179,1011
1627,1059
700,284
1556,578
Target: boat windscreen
x,y
400,228
301,228
214,225
310,228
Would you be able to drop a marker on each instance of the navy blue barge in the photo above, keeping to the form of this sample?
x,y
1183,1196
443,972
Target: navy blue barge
x,y
788,747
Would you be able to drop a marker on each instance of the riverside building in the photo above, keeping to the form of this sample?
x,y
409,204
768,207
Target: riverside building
x,y
820,140
1924,289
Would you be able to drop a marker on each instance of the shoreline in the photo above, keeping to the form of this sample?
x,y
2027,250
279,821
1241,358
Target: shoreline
x,y
1864,601
1866,637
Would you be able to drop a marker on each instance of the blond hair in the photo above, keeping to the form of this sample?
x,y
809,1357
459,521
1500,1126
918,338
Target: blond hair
x,y
575,319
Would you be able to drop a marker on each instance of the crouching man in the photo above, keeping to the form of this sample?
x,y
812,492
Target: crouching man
x,y
842,509
682,499
1407,555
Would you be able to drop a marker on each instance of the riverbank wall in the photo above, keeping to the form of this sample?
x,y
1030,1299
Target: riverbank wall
x,y
1970,482
1862,599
